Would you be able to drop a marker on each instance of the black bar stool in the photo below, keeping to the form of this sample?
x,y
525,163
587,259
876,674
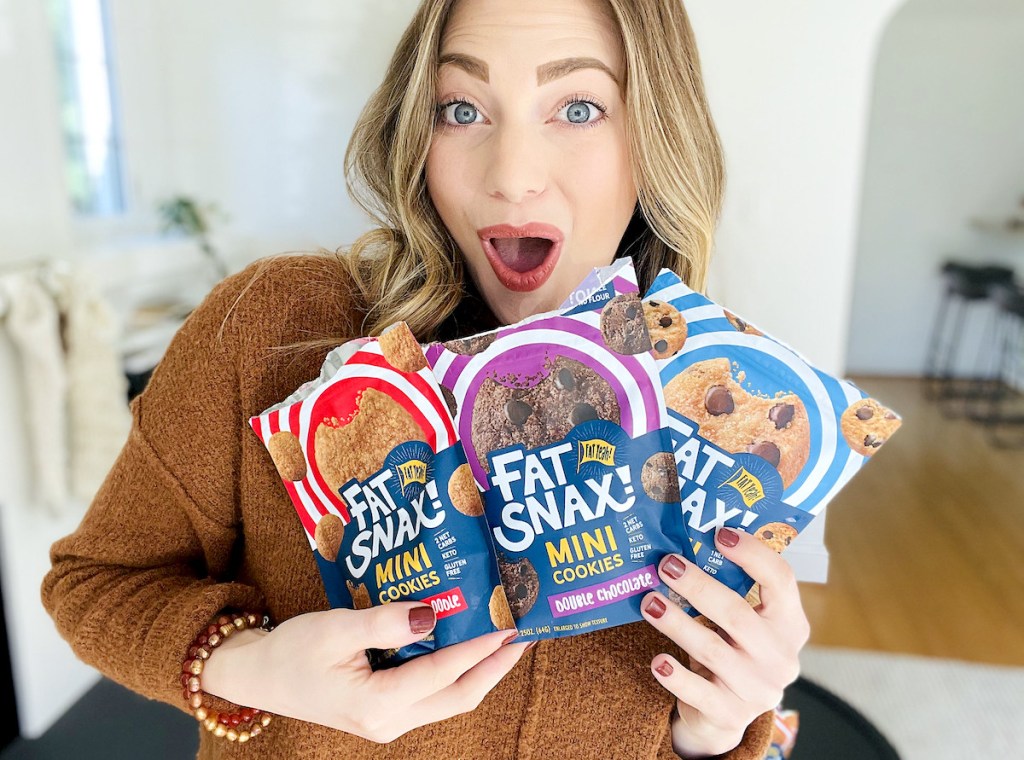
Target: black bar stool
x,y
967,287
1000,407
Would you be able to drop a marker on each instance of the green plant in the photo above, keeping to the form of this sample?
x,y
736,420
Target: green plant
x,y
183,214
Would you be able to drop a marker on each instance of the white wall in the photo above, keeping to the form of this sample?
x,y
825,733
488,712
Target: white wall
x,y
946,144
250,104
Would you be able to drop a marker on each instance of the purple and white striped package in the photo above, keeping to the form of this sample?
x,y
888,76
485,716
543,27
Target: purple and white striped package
x,y
565,429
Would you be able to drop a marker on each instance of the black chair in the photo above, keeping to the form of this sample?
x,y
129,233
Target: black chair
x,y
997,403
968,289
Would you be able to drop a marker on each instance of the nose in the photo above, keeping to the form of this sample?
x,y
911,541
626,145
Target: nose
x,y
516,169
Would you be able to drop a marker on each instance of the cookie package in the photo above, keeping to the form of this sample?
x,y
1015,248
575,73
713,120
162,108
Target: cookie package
x,y
371,460
762,439
565,430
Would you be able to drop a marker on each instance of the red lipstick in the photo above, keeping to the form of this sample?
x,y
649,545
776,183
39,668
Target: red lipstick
x,y
522,257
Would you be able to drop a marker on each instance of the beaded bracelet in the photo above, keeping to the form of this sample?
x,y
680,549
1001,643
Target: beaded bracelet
x,y
236,726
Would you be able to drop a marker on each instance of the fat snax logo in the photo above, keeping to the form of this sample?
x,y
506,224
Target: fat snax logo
x,y
747,485
413,471
595,450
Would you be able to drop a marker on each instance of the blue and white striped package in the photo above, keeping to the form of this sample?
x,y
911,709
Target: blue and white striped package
x,y
762,439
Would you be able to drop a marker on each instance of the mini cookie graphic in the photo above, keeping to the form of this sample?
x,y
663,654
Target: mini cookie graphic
x,y
357,449
463,492
659,477
667,328
775,429
741,325
777,535
328,534
471,346
623,325
571,394
522,586
286,451
360,596
501,615
866,425
400,349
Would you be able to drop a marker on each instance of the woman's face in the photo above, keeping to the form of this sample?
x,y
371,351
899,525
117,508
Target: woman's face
x,y
529,165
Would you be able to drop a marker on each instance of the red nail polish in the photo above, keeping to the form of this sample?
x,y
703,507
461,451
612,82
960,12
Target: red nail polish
x,y
655,608
728,537
665,670
421,619
672,567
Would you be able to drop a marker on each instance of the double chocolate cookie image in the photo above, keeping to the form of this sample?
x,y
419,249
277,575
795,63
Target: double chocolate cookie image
x,y
572,393
866,425
522,586
775,429
471,346
623,325
667,328
659,477
357,448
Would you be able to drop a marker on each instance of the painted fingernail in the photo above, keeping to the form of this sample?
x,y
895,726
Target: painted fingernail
x,y
655,608
728,537
664,669
510,638
672,567
421,619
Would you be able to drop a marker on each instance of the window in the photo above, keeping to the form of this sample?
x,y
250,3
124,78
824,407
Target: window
x,y
88,107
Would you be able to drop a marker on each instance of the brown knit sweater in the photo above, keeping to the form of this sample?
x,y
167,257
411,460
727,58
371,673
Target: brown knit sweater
x,y
193,518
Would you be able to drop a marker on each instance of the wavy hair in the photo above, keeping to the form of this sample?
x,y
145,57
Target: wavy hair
x,y
409,267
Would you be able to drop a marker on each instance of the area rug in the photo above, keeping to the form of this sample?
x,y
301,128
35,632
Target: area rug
x,y
928,708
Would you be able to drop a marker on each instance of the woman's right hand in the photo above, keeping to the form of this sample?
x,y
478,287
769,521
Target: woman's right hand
x,y
313,667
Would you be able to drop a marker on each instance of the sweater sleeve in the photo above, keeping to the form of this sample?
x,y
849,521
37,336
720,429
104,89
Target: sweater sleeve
x,y
152,560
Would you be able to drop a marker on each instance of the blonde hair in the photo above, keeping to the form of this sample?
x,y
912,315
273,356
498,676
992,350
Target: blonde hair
x,y
409,268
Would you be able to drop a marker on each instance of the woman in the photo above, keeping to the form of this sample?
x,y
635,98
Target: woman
x,y
524,143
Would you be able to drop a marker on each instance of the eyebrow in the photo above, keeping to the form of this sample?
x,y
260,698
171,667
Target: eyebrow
x,y
546,72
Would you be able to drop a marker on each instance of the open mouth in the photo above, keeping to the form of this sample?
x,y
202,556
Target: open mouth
x,y
522,258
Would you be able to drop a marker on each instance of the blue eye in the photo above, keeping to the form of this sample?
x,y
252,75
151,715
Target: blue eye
x,y
582,112
458,112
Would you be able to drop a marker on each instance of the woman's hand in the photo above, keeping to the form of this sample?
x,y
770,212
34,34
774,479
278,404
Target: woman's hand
x,y
740,672
314,667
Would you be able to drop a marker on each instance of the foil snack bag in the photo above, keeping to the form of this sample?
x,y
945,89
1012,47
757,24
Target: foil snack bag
x,y
762,439
371,460
565,430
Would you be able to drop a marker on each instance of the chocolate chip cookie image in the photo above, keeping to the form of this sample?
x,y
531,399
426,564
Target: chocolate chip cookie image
x,y
572,393
522,586
449,401
401,350
357,449
777,535
501,614
360,596
741,325
667,328
866,425
659,477
775,429
463,492
328,534
623,325
286,451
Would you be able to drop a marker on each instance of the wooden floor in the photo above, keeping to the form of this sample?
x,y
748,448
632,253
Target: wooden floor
x,y
926,543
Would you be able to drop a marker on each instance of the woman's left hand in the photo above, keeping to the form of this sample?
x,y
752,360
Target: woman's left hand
x,y
742,671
